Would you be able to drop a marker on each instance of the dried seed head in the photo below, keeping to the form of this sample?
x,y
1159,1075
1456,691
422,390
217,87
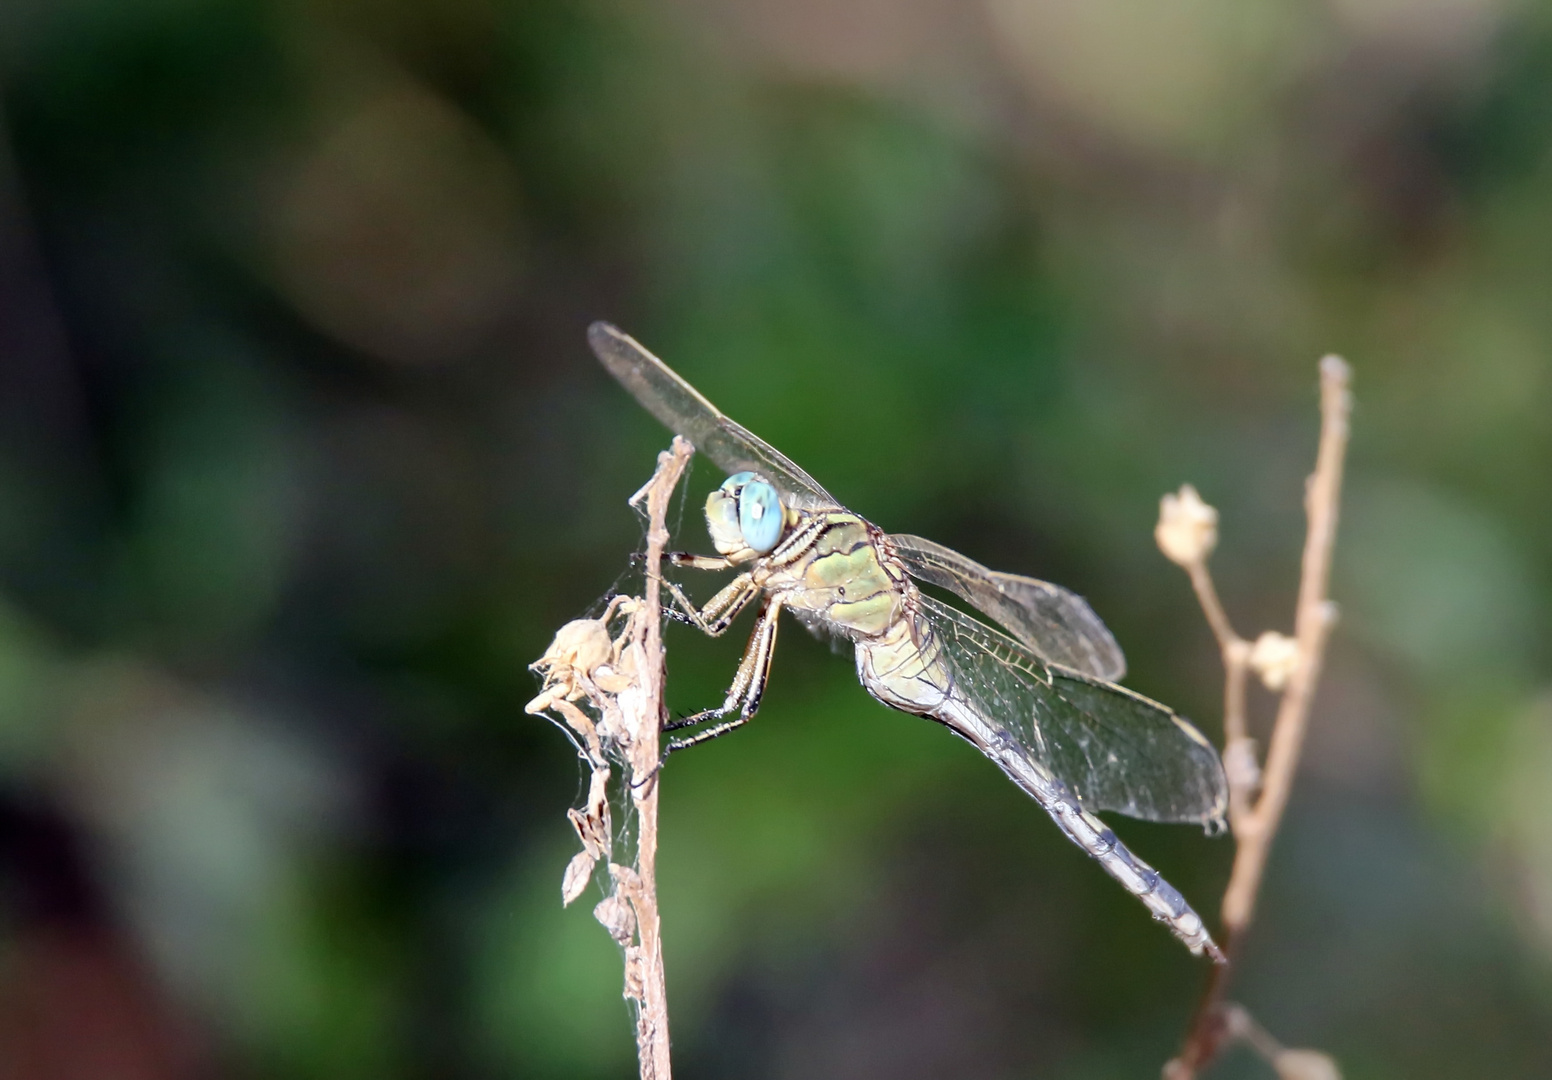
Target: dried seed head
x,y
617,918
591,831
598,795
1274,657
579,871
626,880
1240,765
1187,530
1306,1065
611,682
635,972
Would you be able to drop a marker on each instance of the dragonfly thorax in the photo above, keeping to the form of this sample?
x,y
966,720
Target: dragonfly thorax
x,y
745,517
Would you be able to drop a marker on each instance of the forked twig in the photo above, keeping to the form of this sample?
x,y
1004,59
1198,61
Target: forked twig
x,y
621,679
1187,533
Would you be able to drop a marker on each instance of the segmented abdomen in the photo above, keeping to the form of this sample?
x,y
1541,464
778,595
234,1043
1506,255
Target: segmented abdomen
x,y
905,668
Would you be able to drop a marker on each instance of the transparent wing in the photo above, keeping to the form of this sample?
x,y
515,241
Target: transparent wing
x,y
1118,750
682,409
1058,625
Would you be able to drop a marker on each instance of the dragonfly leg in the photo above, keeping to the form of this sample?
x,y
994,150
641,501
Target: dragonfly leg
x,y
747,689
718,613
697,562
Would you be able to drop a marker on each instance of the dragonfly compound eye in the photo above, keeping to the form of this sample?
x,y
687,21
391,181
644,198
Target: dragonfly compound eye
x,y
760,515
722,521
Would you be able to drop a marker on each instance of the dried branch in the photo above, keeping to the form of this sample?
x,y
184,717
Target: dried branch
x,y
1187,533
621,678
644,713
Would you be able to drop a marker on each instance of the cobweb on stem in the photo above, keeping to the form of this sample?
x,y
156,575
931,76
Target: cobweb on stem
x,y
603,680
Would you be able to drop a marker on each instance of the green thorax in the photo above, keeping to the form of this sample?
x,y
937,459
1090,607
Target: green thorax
x,y
842,578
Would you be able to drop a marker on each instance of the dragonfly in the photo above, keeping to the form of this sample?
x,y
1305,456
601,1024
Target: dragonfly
x,y
1037,693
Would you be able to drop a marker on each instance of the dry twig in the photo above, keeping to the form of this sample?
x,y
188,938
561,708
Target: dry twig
x,y
1187,533
621,679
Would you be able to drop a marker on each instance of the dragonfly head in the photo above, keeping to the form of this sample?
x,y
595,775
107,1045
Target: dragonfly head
x,y
745,517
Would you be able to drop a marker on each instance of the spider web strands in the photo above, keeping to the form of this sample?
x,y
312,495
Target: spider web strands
x,y
643,713
620,680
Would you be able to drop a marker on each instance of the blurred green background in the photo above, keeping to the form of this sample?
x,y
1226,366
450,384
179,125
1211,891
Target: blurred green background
x,y
303,459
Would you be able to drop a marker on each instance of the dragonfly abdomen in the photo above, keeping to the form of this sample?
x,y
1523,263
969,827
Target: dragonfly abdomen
x,y
1100,841
906,669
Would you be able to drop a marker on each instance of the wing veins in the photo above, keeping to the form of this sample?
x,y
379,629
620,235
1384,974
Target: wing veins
x,y
682,409
1118,749
1057,625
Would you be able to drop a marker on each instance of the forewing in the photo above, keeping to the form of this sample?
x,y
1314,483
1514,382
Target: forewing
x,y
1058,625
683,410
1118,750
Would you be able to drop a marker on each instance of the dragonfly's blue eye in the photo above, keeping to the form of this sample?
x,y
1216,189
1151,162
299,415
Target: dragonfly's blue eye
x,y
759,514
736,481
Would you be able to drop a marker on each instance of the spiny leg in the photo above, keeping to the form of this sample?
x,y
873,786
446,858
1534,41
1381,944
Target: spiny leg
x,y
715,617
718,613
697,562
748,685
753,667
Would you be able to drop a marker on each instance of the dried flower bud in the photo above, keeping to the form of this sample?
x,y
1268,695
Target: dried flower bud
x,y
591,831
579,871
1330,613
1305,1065
592,824
635,967
598,795
626,880
1274,657
611,682
617,918
1187,530
1240,765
